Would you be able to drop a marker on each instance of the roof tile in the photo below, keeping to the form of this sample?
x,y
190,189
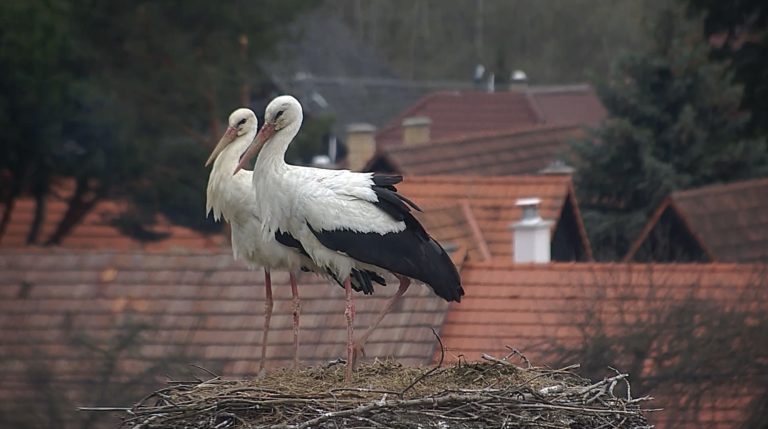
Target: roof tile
x,y
196,307
504,152
729,221
530,307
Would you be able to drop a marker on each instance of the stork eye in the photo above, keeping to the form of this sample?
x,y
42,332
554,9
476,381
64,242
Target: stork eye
x,y
280,113
242,121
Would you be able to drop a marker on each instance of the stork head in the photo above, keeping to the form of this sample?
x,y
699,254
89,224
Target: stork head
x,y
281,113
241,122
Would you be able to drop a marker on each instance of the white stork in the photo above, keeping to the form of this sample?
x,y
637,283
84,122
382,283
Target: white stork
x,y
231,197
343,219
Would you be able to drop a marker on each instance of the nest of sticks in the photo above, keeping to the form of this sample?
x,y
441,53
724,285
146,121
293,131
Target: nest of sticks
x,y
493,393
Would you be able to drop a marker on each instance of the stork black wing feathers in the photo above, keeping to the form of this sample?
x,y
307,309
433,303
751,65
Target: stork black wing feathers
x,y
411,252
361,280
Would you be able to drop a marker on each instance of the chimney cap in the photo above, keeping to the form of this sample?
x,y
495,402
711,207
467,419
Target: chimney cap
x,y
414,121
557,166
360,127
525,202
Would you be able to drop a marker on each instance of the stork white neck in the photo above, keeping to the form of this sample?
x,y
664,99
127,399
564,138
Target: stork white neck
x,y
230,155
272,156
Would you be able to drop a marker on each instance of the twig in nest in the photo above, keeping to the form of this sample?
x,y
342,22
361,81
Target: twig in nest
x,y
516,352
211,373
439,364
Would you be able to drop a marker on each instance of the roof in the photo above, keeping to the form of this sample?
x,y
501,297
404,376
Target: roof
x,y
489,203
524,150
58,306
570,104
97,230
728,221
542,307
455,227
456,113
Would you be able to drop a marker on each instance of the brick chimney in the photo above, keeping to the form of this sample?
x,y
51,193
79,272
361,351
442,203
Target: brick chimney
x,y
416,130
531,235
361,145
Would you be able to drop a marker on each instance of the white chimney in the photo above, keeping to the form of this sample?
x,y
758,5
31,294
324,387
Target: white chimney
x,y
531,235
361,145
518,81
416,130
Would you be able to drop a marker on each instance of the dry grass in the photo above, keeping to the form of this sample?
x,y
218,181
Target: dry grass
x,y
384,394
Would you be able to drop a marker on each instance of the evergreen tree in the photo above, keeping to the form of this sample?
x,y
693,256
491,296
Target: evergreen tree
x,y
126,97
738,31
674,123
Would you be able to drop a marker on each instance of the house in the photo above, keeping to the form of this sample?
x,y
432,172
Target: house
x,y
724,222
475,213
125,322
461,121
334,74
688,334
101,328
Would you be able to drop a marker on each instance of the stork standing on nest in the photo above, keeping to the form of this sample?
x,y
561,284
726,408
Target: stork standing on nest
x,y
343,219
231,197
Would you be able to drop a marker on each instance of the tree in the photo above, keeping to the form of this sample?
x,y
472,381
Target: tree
x,y
737,32
675,123
683,343
557,41
128,97
37,89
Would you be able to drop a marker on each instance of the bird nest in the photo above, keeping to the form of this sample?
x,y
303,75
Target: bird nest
x,y
494,393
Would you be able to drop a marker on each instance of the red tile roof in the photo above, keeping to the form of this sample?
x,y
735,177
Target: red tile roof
x,y
457,113
576,104
491,203
532,307
96,229
454,113
57,307
524,150
729,222
455,227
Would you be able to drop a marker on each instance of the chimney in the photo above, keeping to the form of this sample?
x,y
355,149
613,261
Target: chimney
x,y
531,235
361,145
518,81
416,130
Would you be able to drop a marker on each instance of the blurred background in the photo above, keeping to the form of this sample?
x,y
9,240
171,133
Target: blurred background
x,y
640,125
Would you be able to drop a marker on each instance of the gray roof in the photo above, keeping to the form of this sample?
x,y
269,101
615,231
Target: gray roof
x,y
333,73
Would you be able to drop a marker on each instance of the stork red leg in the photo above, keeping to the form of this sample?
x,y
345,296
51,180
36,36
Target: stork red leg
x,y
350,314
267,318
405,282
296,313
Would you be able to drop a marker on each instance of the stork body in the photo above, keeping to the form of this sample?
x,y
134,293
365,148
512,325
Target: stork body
x,y
343,219
230,197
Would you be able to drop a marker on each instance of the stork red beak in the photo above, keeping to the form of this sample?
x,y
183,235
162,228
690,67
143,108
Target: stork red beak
x,y
265,133
226,139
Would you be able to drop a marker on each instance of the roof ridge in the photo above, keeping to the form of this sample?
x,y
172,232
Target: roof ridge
x,y
717,188
550,89
477,233
509,264
472,179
